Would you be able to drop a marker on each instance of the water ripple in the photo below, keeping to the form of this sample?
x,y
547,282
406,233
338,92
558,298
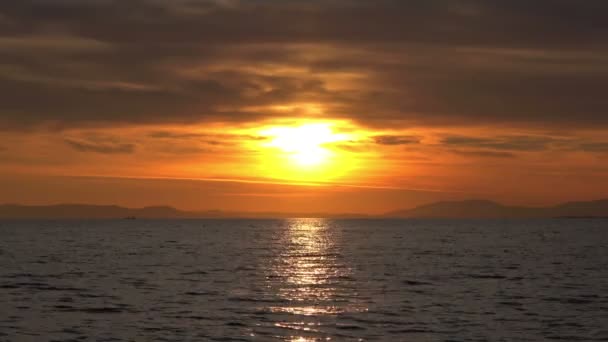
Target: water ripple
x,y
303,280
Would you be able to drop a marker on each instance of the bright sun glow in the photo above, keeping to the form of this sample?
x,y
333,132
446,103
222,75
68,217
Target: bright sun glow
x,y
305,145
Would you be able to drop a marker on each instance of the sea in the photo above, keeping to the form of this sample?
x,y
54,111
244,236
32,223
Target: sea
x,y
304,280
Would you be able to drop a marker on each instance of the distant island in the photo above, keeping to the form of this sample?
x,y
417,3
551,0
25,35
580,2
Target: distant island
x,y
88,211
448,209
489,209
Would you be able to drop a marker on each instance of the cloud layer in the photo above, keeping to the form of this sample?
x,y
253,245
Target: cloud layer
x,y
67,63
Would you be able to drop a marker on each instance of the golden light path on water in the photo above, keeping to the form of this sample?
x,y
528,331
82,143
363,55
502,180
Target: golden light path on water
x,y
312,276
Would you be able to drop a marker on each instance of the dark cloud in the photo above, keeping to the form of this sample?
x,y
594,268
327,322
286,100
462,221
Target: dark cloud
x,y
595,147
485,154
100,147
426,62
503,146
476,22
396,140
207,138
177,150
507,143
175,135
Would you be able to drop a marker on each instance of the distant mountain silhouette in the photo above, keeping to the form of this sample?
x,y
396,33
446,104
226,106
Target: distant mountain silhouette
x,y
456,209
81,211
86,211
489,209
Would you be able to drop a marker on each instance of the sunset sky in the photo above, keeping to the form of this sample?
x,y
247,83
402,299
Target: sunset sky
x,y
300,106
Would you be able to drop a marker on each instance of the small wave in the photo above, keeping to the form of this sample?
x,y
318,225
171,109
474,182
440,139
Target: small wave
x,y
566,338
236,324
415,283
197,318
486,276
564,324
568,300
92,310
203,293
350,327
253,300
194,273
411,331
38,286
511,304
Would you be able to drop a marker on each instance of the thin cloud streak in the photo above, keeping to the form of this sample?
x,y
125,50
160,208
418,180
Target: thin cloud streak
x,y
268,182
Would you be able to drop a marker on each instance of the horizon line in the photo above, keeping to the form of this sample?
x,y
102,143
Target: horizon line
x,y
199,211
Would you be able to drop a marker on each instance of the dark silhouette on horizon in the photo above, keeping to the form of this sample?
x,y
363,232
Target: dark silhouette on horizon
x,y
447,209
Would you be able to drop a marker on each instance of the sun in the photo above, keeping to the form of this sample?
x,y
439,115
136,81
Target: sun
x,y
304,145
308,151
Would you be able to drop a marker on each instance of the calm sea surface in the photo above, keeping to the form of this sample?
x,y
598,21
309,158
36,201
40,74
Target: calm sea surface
x,y
304,280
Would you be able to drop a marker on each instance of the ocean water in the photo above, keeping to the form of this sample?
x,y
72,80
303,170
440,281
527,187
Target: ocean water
x,y
304,280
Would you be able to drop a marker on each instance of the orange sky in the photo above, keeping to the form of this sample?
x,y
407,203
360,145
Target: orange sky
x,y
245,167
328,106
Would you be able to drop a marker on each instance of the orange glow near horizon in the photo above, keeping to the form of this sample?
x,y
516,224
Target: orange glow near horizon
x,y
285,161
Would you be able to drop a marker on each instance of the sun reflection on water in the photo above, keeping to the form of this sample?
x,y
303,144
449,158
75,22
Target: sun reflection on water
x,y
307,339
309,274
310,265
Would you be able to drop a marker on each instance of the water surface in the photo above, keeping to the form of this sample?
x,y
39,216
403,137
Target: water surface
x,y
304,280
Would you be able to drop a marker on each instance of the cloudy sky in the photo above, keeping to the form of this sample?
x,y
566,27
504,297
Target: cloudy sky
x,y
179,102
